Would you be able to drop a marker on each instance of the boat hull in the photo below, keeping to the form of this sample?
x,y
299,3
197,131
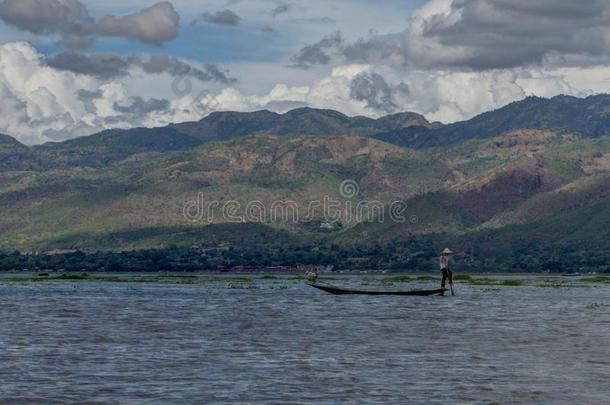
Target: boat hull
x,y
349,291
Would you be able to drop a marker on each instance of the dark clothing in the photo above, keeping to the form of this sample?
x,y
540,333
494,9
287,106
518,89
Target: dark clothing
x,y
447,274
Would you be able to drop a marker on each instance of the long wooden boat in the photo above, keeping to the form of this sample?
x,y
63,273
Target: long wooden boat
x,y
343,291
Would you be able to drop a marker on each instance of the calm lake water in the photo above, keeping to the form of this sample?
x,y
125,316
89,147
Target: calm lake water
x,y
280,341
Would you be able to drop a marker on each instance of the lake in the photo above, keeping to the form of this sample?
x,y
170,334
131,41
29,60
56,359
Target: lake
x,y
276,340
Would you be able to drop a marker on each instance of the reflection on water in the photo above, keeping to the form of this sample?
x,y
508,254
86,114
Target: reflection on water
x,y
285,342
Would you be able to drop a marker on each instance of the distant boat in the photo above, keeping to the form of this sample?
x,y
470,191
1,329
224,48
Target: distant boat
x,y
343,291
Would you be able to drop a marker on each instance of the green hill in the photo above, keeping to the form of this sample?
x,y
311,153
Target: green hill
x,y
588,117
222,126
524,199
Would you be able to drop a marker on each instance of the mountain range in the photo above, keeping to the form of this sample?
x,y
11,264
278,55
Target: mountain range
x,y
529,179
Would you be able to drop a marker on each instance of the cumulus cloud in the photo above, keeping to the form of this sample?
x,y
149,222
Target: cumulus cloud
x,y
139,106
154,25
38,99
458,58
41,102
70,18
108,66
100,65
481,35
491,34
224,17
319,53
88,97
280,9
177,68
372,88
374,49
44,16
375,91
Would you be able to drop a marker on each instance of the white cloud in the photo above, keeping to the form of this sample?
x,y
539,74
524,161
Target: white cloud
x,y
490,34
39,103
36,98
440,95
155,25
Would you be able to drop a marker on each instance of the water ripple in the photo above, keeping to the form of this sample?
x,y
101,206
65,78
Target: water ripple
x,y
209,343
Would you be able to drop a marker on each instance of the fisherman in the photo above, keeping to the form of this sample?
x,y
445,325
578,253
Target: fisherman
x,y
312,276
447,274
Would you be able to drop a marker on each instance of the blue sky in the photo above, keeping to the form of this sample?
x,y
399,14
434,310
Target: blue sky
x,y
247,42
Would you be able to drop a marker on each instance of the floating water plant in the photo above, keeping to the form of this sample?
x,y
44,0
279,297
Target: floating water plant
x,y
397,279
596,279
512,282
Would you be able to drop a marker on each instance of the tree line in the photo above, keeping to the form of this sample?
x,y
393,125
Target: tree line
x,y
417,254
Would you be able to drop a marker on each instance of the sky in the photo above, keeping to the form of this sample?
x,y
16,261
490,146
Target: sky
x,y
70,68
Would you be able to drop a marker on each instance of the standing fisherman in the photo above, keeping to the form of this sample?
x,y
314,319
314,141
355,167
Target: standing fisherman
x,y
447,274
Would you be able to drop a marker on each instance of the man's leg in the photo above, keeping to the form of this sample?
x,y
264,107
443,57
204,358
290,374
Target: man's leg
x,y
445,275
451,281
